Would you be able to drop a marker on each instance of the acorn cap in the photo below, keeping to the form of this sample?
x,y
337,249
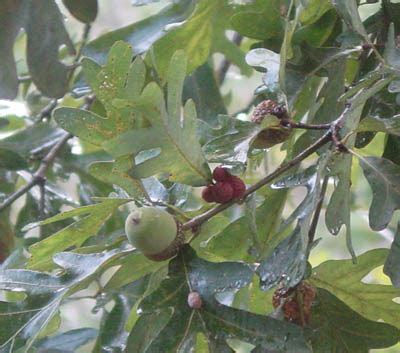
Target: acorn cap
x,y
271,136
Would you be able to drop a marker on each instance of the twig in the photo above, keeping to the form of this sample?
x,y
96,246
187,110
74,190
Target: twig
x,y
221,73
197,221
318,209
42,200
47,110
295,125
40,175
26,78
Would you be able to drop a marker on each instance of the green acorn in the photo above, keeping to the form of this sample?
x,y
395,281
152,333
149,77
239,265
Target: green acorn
x,y
154,232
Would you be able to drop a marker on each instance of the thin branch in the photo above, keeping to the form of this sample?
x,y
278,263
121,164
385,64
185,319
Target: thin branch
x,y
47,110
40,175
295,125
22,79
197,221
223,70
42,200
318,209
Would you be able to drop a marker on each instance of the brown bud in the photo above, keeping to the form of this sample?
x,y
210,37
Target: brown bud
x,y
194,300
223,192
287,299
238,186
221,174
207,193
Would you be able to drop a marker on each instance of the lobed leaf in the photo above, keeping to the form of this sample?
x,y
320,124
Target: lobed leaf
x,y
73,235
343,278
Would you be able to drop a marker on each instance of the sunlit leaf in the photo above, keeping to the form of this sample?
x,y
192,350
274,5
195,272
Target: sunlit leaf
x,y
93,217
344,279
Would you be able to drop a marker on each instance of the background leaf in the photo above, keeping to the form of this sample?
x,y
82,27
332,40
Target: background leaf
x,y
384,178
343,279
84,11
337,328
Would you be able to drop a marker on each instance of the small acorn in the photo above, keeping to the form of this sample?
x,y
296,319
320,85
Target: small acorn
x,y
286,298
154,232
272,135
194,300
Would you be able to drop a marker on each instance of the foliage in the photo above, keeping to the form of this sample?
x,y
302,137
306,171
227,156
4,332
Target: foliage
x,y
139,116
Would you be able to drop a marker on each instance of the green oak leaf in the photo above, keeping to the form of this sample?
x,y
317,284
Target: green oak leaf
x,y
254,233
112,332
202,34
384,178
34,138
287,262
348,10
374,123
132,267
140,35
233,146
392,149
92,219
71,340
168,145
314,10
23,321
336,328
47,72
261,19
338,209
392,264
84,11
392,50
11,160
119,78
202,87
344,279
169,324
172,133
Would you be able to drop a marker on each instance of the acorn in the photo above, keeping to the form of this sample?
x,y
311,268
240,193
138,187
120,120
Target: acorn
x,y
154,232
272,135
194,300
286,299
